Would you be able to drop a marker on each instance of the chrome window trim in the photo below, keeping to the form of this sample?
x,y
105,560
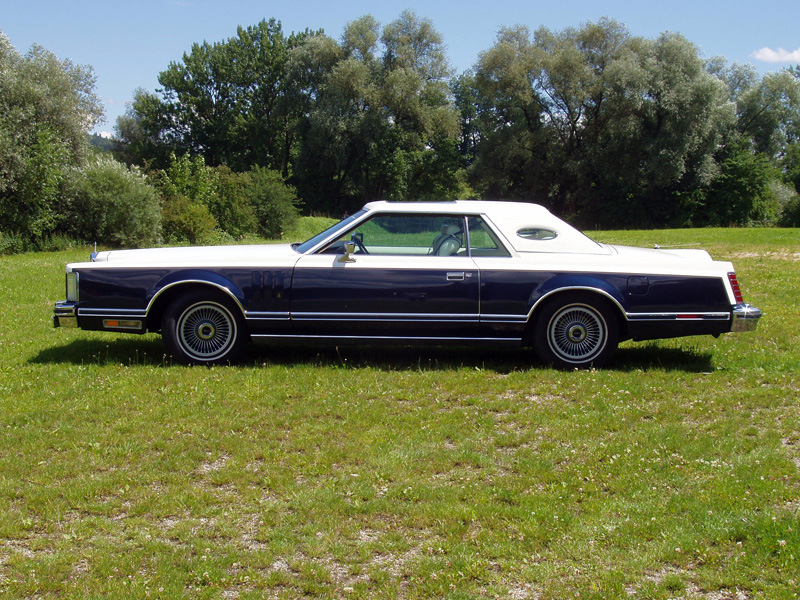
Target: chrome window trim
x,y
335,233
463,215
537,239
506,243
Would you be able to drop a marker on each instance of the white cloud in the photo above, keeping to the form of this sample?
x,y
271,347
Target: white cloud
x,y
776,56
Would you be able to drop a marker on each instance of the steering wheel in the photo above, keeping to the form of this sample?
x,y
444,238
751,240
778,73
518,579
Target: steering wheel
x,y
358,240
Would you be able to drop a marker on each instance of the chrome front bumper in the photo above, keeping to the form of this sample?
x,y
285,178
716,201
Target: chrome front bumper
x,y
65,315
745,318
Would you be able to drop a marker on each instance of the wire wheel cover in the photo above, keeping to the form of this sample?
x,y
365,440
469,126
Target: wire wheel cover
x,y
577,333
206,331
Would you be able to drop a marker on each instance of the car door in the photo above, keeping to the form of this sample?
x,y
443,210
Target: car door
x,y
409,276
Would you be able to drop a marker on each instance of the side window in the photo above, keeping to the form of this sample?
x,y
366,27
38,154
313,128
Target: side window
x,y
483,241
407,235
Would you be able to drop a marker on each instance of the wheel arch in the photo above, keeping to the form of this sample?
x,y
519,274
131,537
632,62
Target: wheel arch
x,y
610,297
170,291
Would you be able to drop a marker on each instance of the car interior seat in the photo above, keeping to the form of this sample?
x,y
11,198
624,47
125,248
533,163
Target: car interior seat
x,y
446,243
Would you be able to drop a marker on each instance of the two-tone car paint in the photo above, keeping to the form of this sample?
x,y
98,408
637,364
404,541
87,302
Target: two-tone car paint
x,y
324,290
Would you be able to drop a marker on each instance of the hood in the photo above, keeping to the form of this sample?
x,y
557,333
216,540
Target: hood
x,y
196,256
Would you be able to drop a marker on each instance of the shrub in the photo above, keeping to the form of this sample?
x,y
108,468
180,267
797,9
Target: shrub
x,y
107,202
740,195
791,213
30,183
187,221
231,206
782,199
188,176
276,203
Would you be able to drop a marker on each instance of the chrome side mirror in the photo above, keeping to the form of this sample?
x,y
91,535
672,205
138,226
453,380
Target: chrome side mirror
x,y
349,250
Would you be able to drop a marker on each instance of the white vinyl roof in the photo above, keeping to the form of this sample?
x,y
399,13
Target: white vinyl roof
x,y
510,218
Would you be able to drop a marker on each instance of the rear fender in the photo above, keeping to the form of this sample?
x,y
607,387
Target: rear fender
x,y
572,283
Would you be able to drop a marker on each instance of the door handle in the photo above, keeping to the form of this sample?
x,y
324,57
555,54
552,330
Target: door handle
x,y
455,277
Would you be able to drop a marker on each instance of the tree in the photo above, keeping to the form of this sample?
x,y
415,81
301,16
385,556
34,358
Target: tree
x,y
791,165
226,101
596,123
741,194
46,107
380,116
203,203
144,136
769,112
662,143
465,97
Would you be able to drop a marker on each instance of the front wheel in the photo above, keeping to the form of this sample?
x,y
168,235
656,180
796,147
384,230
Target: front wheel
x,y
574,332
203,329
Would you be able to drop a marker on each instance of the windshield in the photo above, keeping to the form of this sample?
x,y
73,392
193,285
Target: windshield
x,y
343,224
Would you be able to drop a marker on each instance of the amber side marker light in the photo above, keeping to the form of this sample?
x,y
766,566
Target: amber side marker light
x,y
114,324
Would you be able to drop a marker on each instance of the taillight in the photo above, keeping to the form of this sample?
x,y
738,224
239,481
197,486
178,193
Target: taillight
x,y
737,293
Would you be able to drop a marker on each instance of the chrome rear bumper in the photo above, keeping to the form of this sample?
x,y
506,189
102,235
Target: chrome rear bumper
x,y
745,318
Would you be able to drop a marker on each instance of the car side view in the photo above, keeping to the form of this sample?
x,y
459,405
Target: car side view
x,y
462,272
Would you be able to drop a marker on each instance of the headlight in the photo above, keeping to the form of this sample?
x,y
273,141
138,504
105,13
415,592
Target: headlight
x,y
72,287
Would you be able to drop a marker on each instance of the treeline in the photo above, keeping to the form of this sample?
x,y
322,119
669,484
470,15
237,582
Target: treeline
x,y
605,128
55,190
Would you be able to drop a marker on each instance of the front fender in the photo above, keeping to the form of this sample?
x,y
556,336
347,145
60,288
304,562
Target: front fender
x,y
196,277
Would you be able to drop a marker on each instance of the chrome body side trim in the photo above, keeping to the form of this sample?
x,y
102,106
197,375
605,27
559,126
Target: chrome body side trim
x,y
386,317
387,338
267,316
112,312
504,318
681,316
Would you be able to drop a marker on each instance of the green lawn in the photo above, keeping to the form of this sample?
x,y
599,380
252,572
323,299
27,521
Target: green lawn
x,y
302,472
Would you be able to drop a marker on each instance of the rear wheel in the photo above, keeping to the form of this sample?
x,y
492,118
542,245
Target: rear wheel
x,y
203,328
576,332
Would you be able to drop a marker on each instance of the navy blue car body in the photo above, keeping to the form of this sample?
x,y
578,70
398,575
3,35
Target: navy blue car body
x,y
465,272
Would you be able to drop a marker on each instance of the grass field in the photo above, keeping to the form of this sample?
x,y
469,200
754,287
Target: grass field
x,y
301,472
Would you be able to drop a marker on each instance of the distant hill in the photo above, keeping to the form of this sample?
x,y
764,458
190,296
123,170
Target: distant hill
x,y
102,142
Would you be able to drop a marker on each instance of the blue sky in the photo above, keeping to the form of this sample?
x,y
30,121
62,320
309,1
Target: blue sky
x,y
129,43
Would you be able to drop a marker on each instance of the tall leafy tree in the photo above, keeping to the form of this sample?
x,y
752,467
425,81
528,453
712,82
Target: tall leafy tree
x,y
381,122
594,120
512,156
227,101
46,107
769,112
145,135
